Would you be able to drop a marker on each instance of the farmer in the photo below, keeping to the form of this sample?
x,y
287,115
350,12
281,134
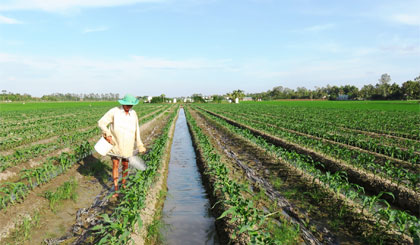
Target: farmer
x,y
123,132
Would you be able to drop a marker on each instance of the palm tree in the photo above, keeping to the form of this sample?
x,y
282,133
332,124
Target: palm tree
x,y
237,94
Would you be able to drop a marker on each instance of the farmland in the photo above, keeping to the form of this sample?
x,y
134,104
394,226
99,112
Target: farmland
x,y
346,171
278,172
49,173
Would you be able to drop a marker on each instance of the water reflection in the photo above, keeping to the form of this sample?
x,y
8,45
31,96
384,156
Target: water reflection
x,y
186,210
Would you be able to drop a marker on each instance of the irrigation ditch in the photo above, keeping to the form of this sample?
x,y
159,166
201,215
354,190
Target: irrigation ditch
x,y
186,215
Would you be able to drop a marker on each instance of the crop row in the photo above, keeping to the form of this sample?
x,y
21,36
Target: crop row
x,y
336,182
12,192
362,160
374,181
70,138
31,178
117,227
401,149
407,150
241,211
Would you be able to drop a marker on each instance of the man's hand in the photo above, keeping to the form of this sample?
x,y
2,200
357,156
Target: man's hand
x,y
142,149
109,139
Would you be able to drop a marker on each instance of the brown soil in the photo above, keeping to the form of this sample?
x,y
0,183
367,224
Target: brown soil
x,y
404,197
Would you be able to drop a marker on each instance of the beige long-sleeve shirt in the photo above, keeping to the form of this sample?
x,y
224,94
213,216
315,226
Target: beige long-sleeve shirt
x,y
124,129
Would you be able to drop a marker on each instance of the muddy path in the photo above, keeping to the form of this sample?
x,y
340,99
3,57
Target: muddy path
x,y
93,177
332,216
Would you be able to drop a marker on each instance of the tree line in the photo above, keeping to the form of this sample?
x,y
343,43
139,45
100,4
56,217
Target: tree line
x,y
383,90
4,96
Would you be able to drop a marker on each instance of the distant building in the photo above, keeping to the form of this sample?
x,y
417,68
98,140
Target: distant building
x,y
188,99
247,99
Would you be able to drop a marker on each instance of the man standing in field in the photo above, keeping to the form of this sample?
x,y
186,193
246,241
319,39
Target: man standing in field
x,y
123,133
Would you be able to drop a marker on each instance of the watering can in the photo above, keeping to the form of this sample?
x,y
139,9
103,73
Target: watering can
x,y
103,147
134,161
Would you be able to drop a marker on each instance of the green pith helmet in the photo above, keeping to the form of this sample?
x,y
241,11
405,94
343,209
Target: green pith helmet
x,y
129,100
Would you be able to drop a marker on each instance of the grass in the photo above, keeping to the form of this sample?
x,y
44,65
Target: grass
x,y
22,232
63,192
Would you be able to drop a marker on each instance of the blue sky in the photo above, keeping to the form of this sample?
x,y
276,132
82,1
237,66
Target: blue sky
x,y
150,47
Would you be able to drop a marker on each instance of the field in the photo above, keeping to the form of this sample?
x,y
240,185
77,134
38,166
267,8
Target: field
x,y
279,172
343,172
51,183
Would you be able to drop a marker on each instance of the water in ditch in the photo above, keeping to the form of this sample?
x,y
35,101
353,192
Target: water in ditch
x,y
186,211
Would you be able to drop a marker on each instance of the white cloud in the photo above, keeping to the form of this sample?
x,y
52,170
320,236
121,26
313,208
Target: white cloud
x,y
407,19
61,5
97,29
147,75
317,28
7,20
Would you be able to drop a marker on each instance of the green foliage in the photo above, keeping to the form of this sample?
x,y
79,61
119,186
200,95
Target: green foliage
x,y
22,232
116,228
238,209
64,192
337,181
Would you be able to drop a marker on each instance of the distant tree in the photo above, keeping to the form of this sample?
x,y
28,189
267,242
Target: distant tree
x,y
217,99
384,84
417,79
395,92
156,99
198,98
411,89
237,94
351,91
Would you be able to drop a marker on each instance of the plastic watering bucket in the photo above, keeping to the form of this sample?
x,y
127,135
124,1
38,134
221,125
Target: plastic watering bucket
x,y
103,146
